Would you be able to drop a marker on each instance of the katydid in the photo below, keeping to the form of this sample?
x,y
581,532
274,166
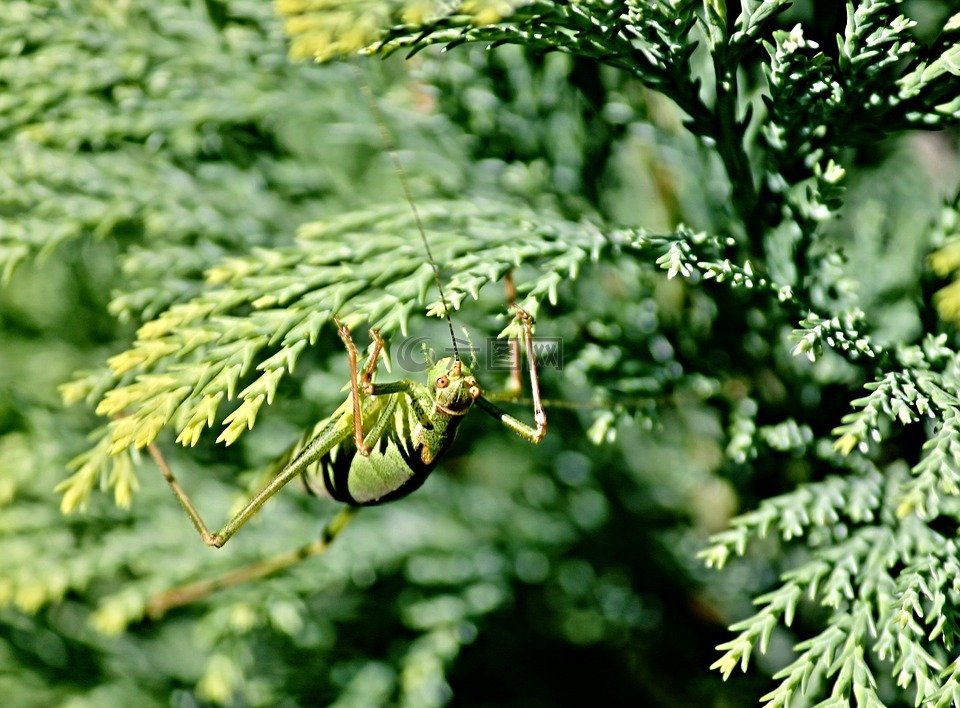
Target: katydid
x,y
385,439
399,429
378,446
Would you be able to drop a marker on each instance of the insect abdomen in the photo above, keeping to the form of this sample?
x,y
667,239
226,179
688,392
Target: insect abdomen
x,y
392,470
395,466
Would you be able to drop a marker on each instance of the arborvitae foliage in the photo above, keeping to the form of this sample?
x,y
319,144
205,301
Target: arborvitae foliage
x,y
725,216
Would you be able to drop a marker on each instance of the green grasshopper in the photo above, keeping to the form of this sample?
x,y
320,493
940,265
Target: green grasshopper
x,y
399,430
379,445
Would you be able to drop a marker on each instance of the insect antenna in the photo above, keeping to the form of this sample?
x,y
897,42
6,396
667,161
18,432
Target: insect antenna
x,y
405,185
473,350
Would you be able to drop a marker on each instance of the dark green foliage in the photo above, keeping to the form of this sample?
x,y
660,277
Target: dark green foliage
x,y
724,218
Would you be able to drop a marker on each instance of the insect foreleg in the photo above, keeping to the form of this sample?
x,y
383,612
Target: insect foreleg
x,y
527,432
366,381
344,333
538,413
531,434
362,382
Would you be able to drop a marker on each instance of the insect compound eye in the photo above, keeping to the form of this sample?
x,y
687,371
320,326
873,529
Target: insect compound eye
x,y
441,382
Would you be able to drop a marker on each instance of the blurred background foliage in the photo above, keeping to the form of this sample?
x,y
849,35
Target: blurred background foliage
x,y
146,143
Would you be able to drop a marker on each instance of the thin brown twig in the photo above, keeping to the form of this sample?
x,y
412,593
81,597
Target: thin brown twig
x,y
162,603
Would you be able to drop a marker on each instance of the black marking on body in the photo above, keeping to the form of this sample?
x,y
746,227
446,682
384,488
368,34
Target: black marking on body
x,y
335,471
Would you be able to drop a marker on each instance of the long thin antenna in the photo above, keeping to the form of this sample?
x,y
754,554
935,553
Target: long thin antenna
x,y
405,184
